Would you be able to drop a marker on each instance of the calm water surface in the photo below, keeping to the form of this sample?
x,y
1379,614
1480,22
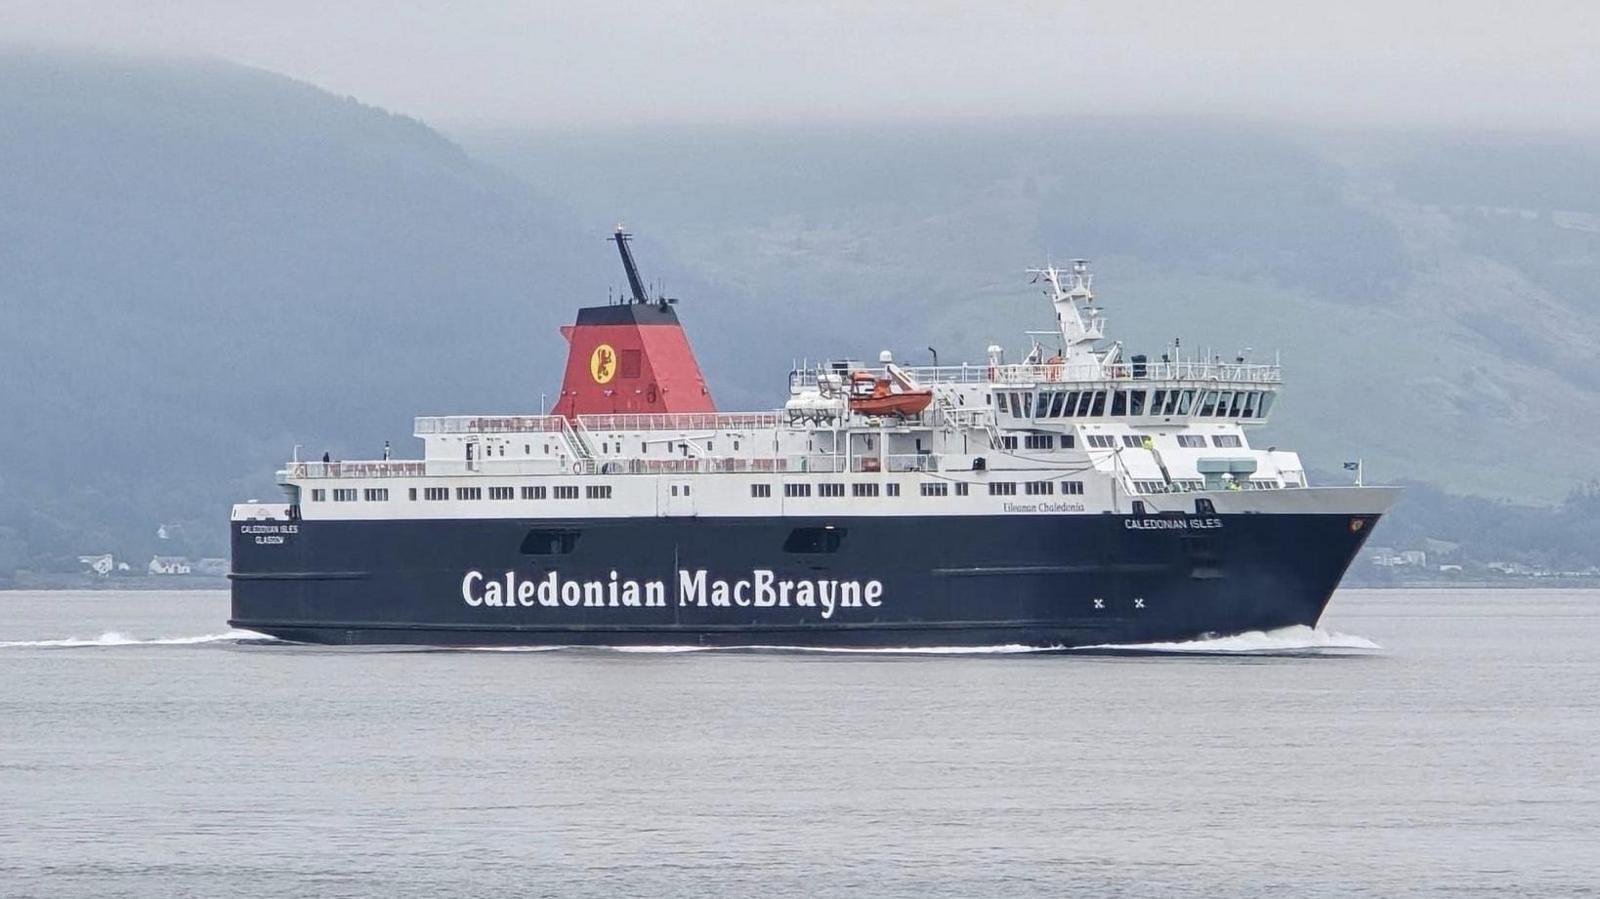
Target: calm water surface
x,y
1460,758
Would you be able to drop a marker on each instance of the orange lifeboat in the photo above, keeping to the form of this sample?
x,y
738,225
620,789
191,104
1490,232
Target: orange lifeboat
x,y
875,396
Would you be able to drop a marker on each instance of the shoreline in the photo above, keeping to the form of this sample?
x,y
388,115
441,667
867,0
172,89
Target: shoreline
x,y
38,582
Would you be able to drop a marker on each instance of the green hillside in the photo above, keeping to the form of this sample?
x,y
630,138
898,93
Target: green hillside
x,y
203,266
1433,296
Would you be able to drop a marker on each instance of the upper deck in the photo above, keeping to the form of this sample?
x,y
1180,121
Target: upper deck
x,y
1080,410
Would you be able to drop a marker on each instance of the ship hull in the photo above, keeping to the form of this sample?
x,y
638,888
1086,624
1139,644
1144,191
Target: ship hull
x,y
889,582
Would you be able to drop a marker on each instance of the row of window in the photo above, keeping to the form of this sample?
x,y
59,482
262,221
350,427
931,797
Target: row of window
x,y
1093,403
927,488
1035,441
438,494
1180,485
759,491
1137,441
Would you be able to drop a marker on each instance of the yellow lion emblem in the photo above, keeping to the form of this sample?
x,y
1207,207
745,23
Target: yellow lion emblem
x,y
603,364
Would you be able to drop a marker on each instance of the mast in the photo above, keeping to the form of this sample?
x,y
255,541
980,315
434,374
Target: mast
x,y
635,283
1078,317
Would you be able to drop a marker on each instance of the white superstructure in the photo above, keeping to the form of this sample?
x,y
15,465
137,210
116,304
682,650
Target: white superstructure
x,y
1074,428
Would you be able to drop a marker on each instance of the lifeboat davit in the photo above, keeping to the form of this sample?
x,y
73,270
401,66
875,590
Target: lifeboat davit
x,y
896,394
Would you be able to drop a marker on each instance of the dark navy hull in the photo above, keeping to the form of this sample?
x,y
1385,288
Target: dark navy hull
x,y
941,581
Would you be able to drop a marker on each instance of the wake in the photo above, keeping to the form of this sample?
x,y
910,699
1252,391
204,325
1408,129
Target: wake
x,y
117,638
1295,639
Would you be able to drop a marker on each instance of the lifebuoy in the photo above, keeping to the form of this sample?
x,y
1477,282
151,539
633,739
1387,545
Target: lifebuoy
x,y
577,468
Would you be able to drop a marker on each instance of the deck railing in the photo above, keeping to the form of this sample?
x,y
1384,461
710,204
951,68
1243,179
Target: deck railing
x,y
680,421
1077,372
487,424
386,468
1052,372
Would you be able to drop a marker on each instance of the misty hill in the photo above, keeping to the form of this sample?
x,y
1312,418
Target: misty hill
x,y
202,265
1434,296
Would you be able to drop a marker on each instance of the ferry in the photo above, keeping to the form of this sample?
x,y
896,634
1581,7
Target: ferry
x,y
1072,495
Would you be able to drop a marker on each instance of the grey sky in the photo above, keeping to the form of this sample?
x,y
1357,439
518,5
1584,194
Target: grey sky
x,y
1531,63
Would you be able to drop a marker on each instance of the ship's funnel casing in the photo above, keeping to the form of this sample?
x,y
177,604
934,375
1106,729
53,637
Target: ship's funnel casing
x,y
630,358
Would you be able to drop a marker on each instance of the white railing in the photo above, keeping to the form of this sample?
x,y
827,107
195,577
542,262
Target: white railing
x,y
1057,372
385,468
487,424
680,421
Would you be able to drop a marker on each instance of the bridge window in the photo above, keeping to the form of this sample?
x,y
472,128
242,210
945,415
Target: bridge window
x,y
1000,401
1185,402
935,488
1237,406
1156,399
1070,408
1266,404
795,490
1136,402
1251,400
536,492
1226,440
1040,488
1057,401
1002,488
1208,404
1192,441
1098,408
1119,402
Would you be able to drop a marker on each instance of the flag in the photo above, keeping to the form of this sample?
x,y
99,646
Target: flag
x,y
1352,466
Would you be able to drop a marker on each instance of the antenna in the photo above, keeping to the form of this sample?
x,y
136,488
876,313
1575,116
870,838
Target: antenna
x,y
635,283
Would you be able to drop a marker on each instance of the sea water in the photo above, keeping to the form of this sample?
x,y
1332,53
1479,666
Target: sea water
x,y
1419,743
